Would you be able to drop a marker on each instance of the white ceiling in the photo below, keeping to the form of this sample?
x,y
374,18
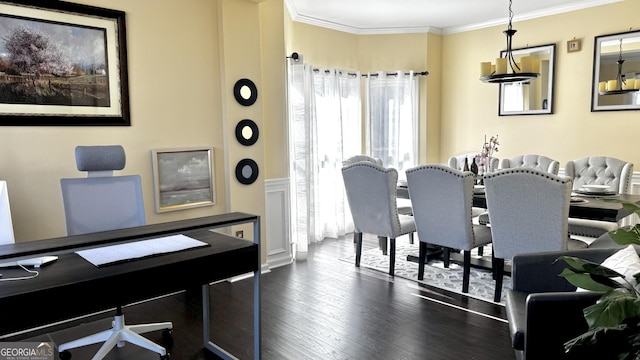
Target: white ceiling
x,y
436,16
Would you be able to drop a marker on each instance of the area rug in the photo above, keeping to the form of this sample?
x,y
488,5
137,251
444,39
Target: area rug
x,y
481,283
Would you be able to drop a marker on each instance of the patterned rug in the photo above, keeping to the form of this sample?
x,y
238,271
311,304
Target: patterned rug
x,y
481,283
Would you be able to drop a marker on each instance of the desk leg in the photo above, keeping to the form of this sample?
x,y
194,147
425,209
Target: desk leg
x,y
206,314
257,323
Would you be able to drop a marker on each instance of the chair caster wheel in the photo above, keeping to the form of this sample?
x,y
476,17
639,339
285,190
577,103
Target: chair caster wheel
x,y
64,355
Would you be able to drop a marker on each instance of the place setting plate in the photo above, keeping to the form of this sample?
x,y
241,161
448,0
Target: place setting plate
x,y
578,200
595,191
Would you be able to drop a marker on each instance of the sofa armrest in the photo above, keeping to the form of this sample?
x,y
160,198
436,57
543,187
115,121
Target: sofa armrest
x,y
540,272
552,319
540,324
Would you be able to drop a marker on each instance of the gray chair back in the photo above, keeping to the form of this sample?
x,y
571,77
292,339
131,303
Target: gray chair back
x,y
528,210
102,202
442,199
532,161
358,158
371,192
601,170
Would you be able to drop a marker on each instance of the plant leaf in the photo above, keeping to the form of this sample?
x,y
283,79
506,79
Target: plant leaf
x,y
612,309
587,282
600,343
624,236
584,266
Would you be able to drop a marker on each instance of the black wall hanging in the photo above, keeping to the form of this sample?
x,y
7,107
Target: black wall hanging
x,y
245,92
247,132
247,171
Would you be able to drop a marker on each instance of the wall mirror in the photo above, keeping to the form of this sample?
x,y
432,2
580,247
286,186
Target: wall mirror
x,y
536,96
616,72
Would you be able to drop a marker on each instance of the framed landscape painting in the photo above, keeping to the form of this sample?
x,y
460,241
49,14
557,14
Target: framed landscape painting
x,y
183,178
62,64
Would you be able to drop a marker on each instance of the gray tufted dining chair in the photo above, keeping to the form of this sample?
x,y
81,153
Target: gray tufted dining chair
x,y
529,211
532,161
442,199
371,192
404,205
598,170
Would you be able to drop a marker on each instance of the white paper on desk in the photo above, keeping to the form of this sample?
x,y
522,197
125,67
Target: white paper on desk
x,y
138,249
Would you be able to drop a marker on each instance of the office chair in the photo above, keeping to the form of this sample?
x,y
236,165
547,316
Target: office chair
x,y
102,202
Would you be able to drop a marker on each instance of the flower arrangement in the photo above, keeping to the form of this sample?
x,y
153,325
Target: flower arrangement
x,y
488,148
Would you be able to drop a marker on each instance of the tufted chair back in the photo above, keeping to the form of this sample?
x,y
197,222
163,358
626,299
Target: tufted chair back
x,y
532,161
601,170
358,158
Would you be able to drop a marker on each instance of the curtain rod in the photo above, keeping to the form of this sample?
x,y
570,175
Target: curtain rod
x,y
423,73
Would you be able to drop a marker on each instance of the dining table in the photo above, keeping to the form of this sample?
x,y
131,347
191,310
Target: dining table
x,y
581,206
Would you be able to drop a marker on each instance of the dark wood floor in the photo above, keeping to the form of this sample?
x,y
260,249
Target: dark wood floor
x,y
320,308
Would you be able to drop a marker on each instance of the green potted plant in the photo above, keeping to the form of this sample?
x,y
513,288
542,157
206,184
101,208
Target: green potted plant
x,y
614,320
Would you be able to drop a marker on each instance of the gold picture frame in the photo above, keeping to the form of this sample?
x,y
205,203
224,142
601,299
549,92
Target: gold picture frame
x,y
183,178
574,45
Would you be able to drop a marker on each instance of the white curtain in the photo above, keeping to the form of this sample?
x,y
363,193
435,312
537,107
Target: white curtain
x,y
324,110
392,118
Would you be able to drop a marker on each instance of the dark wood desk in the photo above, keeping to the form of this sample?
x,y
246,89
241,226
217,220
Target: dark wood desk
x,y
72,286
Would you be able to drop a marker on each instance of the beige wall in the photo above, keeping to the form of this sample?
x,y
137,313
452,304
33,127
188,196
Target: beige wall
x,y
183,57
460,109
470,107
334,49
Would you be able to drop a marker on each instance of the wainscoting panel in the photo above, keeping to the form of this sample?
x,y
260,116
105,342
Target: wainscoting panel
x,y
279,249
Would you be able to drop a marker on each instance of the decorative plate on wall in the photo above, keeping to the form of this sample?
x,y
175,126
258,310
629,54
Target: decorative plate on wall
x,y
247,171
245,92
247,132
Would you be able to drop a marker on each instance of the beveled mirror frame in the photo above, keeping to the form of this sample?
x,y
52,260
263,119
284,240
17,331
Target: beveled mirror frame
x,y
605,68
543,83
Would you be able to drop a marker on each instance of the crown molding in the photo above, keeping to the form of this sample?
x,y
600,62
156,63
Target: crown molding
x,y
295,16
528,16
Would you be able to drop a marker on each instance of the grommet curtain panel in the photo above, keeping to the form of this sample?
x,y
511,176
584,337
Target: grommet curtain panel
x,y
392,106
324,122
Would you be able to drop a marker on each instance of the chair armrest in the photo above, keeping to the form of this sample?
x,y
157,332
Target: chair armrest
x,y
540,272
552,319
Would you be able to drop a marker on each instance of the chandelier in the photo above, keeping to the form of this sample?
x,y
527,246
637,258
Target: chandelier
x,y
499,73
620,84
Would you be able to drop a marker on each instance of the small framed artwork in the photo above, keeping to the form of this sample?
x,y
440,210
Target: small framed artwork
x,y
573,45
62,64
183,178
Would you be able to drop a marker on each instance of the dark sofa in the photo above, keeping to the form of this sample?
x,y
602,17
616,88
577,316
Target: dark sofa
x,y
543,309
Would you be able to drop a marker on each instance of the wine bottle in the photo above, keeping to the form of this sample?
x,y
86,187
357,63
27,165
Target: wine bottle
x,y
474,166
466,164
